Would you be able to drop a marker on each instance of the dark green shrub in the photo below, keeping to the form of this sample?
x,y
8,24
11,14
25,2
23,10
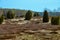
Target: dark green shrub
x,y
10,15
1,19
55,20
28,15
36,14
45,16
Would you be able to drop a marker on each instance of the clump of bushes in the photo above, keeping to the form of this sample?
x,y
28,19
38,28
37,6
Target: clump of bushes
x,y
45,16
28,15
36,14
55,20
1,19
10,14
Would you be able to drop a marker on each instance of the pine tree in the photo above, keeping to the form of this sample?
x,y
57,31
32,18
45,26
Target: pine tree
x,y
45,16
28,15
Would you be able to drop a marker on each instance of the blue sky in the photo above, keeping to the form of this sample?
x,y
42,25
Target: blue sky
x,y
35,5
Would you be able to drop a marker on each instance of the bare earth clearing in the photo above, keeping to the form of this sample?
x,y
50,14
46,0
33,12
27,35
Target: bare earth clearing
x,y
28,30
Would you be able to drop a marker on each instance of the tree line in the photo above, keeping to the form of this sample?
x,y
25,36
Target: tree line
x,y
10,15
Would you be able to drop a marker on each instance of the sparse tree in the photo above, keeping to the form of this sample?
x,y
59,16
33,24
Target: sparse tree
x,y
28,15
10,14
45,16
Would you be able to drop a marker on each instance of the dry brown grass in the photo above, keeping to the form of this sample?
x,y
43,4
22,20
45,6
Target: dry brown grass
x,y
31,30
